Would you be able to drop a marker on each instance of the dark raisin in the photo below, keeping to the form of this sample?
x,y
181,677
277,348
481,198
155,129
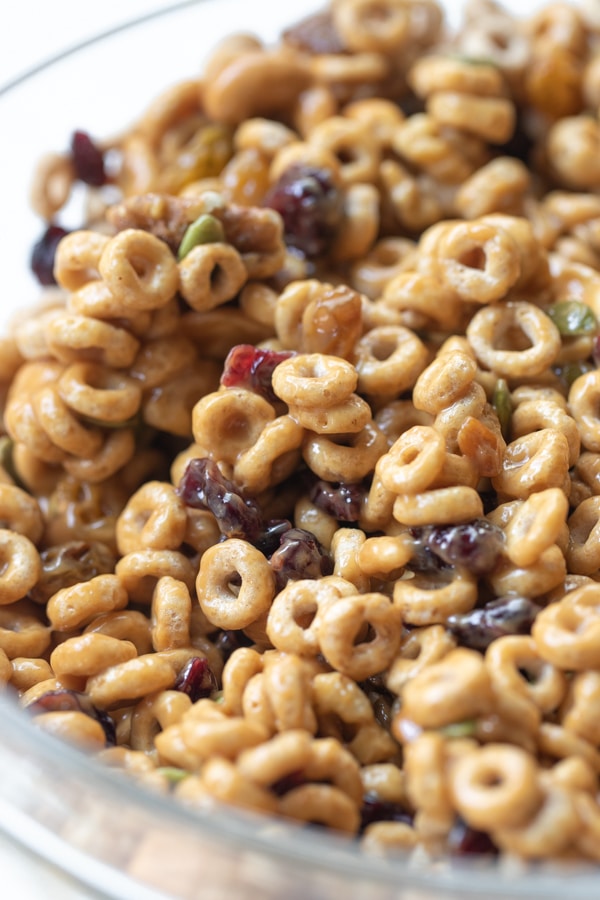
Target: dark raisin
x,y
203,486
505,615
43,253
466,841
475,545
314,34
310,205
423,559
270,538
340,500
374,809
250,367
300,555
196,679
64,565
88,159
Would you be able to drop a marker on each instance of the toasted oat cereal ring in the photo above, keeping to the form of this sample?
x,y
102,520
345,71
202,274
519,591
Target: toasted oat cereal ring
x,y
139,269
220,566
346,458
20,512
154,518
20,566
130,680
99,393
73,727
349,417
439,506
487,333
340,627
72,337
314,381
230,421
22,632
89,654
496,786
413,461
77,605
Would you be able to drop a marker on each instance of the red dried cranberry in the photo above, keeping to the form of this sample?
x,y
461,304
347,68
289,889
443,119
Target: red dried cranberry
x,y
300,555
341,500
43,253
505,615
196,679
203,486
88,159
252,368
310,205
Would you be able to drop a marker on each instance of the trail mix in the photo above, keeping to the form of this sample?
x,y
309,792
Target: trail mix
x,y
300,484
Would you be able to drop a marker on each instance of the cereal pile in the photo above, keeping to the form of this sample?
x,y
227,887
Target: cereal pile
x,y
300,479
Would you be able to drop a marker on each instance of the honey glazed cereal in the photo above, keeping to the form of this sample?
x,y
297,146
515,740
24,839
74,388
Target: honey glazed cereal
x,y
300,482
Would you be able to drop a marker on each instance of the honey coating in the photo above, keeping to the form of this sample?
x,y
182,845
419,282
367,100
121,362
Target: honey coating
x,y
299,492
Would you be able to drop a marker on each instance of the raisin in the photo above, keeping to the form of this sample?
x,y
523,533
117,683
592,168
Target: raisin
x,y
299,555
44,252
203,486
310,205
196,679
475,545
340,500
505,615
88,159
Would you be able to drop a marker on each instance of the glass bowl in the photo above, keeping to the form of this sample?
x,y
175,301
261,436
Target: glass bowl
x,y
113,837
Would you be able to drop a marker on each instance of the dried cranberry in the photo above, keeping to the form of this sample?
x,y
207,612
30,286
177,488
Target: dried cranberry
x,y
341,500
44,252
474,545
88,159
203,486
250,367
310,205
505,615
466,841
63,700
196,679
374,809
300,555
